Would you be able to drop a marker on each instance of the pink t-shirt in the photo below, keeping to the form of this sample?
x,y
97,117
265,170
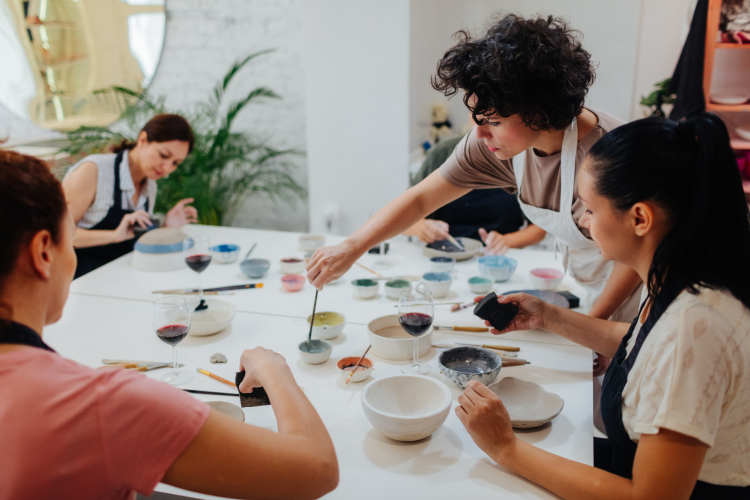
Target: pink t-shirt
x,y
68,431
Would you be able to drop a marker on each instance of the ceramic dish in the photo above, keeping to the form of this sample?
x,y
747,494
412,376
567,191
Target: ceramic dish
x,y
497,267
390,341
292,265
743,133
328,325
442,264
228,409
480,284
364,288
439,284
225,253
462,364
729,100
546,279
471,248
549,297
393,288
255,268
406,407
315,352
218,316
293,282
528,404
159,250
311,242
346,365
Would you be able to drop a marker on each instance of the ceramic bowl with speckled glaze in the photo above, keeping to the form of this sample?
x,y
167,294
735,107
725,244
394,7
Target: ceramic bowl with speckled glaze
x,y
462,364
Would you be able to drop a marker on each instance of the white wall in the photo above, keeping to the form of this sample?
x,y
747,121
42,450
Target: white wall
x,y
357,98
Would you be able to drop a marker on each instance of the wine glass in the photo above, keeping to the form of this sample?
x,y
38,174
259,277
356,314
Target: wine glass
x,y
415,313
197,250
171,323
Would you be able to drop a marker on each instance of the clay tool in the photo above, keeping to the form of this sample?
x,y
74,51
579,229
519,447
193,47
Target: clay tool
x,y
215,377
499,315
462,328
250,251
357,365
259,396
209,290
455,242
369,270
193,391
461,307
515,362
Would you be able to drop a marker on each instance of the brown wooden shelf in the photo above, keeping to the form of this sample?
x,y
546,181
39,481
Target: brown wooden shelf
x,y
724,45
712,106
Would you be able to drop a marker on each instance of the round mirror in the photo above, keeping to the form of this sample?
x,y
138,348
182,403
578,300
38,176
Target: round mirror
x,y
56,55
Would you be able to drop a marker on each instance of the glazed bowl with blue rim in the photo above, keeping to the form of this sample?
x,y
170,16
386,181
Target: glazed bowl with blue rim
x,y
393,288
442,264
255,268
437,283
480,284
159,250
226,253
465,363
498,267
365,288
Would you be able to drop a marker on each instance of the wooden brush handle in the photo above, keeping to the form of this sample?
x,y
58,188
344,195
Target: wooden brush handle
x,y
501,347
471,329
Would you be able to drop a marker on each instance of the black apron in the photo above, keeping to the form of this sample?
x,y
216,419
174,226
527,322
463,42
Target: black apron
x,y
617,454
16,333
91,258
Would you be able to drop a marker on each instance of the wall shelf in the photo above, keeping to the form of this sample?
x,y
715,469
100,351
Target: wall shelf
x,y
724,45
712,106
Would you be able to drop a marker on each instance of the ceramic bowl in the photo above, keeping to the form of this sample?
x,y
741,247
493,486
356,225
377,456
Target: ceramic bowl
x,y
528,404
293,282
406,407
480,284
437,283
255,268
462,364
315,352
471,248
327,325
393,288
292,265
744,133
159,250
217,317
390,341
498,267
350,362
231,410
442,264
225,253
311,242
364,288
546,279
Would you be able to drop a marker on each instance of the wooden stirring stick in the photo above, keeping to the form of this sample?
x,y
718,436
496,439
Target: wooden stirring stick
x,y
368,269
216,377
357,365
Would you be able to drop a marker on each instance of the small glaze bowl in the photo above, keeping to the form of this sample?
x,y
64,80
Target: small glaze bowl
x,y
311,242
255,268
546,279
442,264
327,325
226,253
462,364
498,267
393,288
292,265
293,282
364,288
480,284
351,362
437,283
315,351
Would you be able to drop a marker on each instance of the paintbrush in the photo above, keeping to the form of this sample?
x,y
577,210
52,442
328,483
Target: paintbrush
x,y
193,391
357,365
210,290
460,307
250,251
370,270
216,377
462,328
455,242
312,320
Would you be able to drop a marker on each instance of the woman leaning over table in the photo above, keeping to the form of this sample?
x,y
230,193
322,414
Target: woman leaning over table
x,y
68,431
109,194
666,199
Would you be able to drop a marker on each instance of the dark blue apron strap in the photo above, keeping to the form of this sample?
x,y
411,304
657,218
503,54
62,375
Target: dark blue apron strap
x,y
117,195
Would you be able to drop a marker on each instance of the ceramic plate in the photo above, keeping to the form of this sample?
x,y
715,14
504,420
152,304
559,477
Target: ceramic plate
x,y
527,403
218,316
472,247
730,100
744,133
549,297
228,409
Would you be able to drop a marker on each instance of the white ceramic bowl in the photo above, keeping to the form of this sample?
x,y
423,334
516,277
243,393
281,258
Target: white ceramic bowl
x,y
225,253
328,325
731,100
390,341
393,288
359,375
311,242
480,284
365,288
292,265
406,407
217,317
320,352
546,279
442,264
159,250
744,133
439,284
471,248
528,404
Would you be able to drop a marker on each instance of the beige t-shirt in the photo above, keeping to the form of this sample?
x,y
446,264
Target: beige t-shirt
x,y
692,376
473,166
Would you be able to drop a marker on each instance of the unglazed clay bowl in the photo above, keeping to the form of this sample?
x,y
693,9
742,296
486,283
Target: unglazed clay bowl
x,y
346,365
293,282
327,325
480,284
406,407
364,288
311,242
292,265
437,283
255,268
546,279
390,341
498,267
393,288
528,404
462,364
442,264
315,351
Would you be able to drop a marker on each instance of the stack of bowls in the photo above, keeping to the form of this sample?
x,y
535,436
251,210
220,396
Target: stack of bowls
x,y
498,267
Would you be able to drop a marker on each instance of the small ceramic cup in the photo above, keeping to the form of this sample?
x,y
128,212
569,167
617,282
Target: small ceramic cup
x,y
498,267
364,288
293,282
346,365
393,288
480,284
546,279
315,351
255,268
225,253
442,264
328,325
292,265
311,242
437,283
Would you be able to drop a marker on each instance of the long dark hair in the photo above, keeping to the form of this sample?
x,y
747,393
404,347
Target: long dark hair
x,y
689,169
163,128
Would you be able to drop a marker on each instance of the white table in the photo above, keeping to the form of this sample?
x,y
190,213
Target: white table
x,y
117,324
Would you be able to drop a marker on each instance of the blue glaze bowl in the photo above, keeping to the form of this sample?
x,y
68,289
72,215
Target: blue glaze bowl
x,y
480,284
498,267
442,264
225,253
462,364
255,268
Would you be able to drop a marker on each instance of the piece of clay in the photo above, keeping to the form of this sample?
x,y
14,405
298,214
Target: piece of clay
x,y
218,358
499,315
258,397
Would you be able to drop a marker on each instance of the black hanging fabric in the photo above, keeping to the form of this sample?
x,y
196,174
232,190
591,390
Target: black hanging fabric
x,y
687,81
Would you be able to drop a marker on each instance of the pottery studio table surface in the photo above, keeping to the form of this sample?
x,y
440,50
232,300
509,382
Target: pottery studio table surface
x,y
108,315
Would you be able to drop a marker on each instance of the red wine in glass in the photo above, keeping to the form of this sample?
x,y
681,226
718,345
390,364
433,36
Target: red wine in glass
x,y
172,334
198,262
415,324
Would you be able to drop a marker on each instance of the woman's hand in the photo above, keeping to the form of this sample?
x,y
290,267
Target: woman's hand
x,y
181,214
330,263
497,244
125,230
531,313
259,363
485,418
428,230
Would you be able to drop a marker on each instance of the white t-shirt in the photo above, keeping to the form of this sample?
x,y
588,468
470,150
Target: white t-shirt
x,y
692,376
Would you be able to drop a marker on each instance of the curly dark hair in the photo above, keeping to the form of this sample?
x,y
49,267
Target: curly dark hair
x,y
533,67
